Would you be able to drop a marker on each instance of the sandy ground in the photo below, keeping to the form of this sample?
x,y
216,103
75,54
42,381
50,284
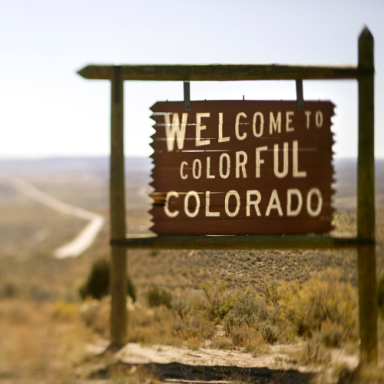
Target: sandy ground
x,y
182,364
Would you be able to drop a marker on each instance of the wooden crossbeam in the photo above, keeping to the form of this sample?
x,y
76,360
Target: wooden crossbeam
x,y
240,242
221,72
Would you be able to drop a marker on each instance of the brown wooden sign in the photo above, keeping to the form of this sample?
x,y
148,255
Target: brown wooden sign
x,y
242,167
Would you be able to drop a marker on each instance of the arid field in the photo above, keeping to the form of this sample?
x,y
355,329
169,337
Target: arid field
x,y
49,335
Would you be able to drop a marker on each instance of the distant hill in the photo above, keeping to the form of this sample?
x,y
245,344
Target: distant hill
x,y
68,164
345,169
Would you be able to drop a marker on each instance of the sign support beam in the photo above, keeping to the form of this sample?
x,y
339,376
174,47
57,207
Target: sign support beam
x,y
365,241
366,203
118,282
237,243
221,72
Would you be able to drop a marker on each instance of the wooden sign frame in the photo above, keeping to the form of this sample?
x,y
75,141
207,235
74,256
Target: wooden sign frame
x,y
365,240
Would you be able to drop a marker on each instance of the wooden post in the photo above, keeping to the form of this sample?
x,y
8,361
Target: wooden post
x,y
366,203
118,319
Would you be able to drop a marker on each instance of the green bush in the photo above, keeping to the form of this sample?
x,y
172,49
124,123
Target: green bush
x,y
323,298
247,311
157,296
239,336
269,332
331,334
97,284
218,301
181,307
270,292
315,352
9,291
197,326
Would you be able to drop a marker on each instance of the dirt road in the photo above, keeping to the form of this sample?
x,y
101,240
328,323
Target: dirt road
x,y
84,239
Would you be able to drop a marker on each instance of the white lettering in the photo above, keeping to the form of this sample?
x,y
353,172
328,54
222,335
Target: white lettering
x,y
319,119
228,170
274,125
174,129
295,154
274,203
207,204
196,169
290,193
227,196
186,201
289,121
316,212
255,203
166,205
259,160
244,135
209,176
221,138
261,124
241,164
181,170
308,115
276,161
200,127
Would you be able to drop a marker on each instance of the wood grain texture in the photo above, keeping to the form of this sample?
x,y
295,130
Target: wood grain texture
x,y
221,72
366,204
118,319
213,182
240,242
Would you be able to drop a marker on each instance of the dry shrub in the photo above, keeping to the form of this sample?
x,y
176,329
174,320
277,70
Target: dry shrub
x,y
162,325
322,307
197,326
218,301
256,343
182,307
95,315
315,352
251,313
97,283
247,311
65,311
152,326
242,337
156,297
321,299
222,342
270,332
331,334
37,344
239,336
270,292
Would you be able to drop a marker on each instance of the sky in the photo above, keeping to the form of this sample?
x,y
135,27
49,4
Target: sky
x,y
48,110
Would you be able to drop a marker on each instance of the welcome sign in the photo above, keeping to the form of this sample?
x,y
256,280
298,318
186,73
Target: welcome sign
x,y
242,168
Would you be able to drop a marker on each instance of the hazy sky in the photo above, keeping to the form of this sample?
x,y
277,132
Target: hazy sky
x,y
46,109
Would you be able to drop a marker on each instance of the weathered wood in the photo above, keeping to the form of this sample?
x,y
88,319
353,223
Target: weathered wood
x,y
118,319
366,203
229,72
221,72
238,242
212,198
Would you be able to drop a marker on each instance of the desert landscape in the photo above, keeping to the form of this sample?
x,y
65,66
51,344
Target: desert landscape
x,y
182,313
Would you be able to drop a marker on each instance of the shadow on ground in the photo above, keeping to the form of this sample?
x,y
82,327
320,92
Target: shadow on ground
x,y
182,373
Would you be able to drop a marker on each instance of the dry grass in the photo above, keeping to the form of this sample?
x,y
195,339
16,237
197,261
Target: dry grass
x,y
42,334
323,310
40,341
